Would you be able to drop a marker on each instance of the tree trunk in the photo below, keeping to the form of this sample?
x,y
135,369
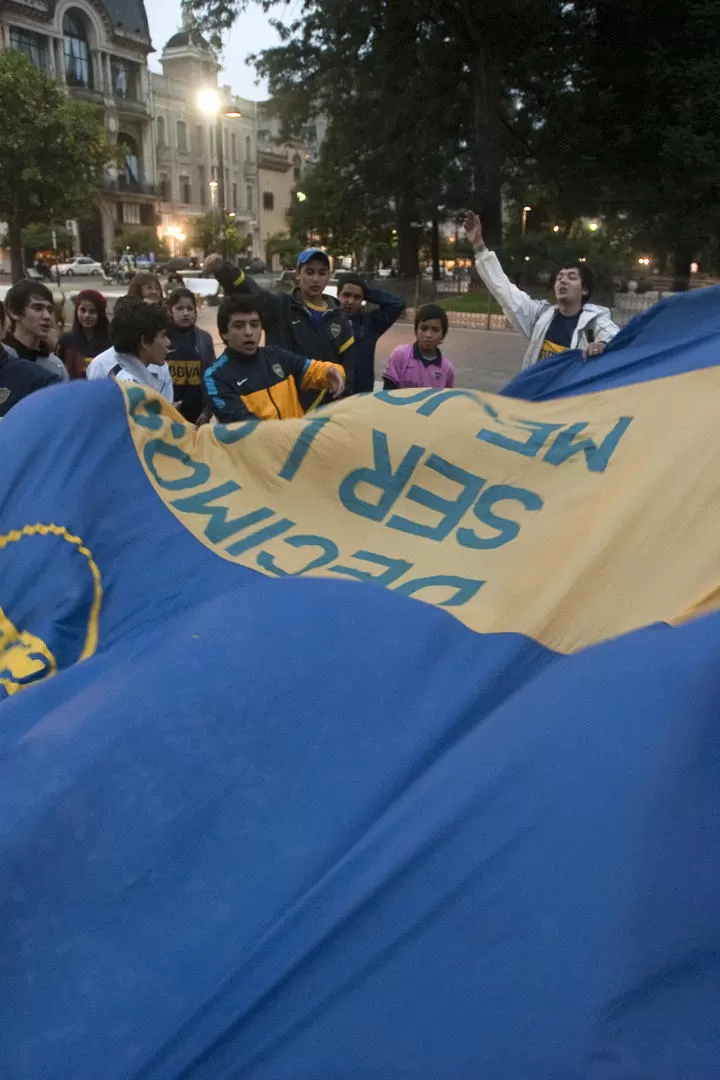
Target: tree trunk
x,y
17,270
486,106
407,237
435,247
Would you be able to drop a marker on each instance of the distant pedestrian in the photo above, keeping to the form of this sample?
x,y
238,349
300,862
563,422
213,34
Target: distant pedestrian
x,y
31,315
571,323
146,287
191,352
368,325
422,363
89,336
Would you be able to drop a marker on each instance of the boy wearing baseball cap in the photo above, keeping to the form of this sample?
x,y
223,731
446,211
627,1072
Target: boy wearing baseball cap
x,y
304,321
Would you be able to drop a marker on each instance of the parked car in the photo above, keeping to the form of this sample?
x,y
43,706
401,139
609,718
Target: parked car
x,y
80,266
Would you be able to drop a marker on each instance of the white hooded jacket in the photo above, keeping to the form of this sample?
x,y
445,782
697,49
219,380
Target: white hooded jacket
x,y
533,317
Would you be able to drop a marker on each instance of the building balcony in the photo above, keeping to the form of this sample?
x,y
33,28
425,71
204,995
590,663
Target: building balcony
x,y
130,106
273,162
86,93
128,189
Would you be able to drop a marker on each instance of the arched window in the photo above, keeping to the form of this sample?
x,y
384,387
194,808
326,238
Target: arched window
x,y
182,137
129,173
78,69
248,148
161,131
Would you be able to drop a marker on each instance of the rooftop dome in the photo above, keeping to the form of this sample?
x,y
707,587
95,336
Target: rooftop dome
x,y
185,38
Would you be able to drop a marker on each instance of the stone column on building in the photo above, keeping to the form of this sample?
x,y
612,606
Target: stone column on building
x,y
98,74
59,60
52,66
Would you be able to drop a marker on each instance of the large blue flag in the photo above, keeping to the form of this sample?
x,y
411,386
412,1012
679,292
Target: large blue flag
x,y
377,744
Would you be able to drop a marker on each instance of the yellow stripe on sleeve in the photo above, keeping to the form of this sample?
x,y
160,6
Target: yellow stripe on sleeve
x,y
350,341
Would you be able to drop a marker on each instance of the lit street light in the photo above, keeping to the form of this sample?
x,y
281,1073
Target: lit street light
x,y
593,226
556,228
213,185
525,211
177,236
210,102
300,196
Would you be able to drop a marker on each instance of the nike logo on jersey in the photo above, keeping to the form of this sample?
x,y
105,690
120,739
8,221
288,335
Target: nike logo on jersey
x,y
240,382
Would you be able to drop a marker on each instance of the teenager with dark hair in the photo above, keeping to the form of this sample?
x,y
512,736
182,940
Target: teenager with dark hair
x,y
31,313
89,336
368,325
307,321
571,323
253,383
104,362
139,335
191,352
422,363
18,378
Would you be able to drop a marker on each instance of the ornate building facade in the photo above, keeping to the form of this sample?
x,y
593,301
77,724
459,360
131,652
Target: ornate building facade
x,y
188,153
98,49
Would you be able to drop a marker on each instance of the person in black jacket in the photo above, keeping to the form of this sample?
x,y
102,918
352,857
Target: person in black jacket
x,y
305,321
251,383
31,314
18,378
191,353
368,326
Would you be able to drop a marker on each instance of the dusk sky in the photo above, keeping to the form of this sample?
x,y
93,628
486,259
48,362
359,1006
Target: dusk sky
x,y
251,33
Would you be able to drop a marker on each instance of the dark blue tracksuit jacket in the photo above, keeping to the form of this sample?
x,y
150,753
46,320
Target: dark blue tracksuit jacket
x,y
368,327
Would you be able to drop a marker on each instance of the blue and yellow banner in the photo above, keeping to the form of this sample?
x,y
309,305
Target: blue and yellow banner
x,y
378,743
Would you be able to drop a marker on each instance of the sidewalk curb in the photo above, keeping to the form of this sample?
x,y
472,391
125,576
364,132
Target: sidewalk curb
x,y
470,320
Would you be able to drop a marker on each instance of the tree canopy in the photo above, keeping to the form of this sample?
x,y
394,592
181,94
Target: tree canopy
x,y
54,152
584,109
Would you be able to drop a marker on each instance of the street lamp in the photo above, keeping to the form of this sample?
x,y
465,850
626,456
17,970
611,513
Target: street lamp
x,y
211,103
525,211
300,196
213,185
593,226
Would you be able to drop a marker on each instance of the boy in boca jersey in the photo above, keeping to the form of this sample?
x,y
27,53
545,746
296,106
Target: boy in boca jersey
x,y
422,363
191,352
306,321
253,383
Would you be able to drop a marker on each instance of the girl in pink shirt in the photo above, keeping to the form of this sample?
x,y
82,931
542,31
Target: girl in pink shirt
x,y
422,363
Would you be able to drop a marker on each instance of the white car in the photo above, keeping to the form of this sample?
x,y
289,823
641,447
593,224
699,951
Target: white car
x,y
80,266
